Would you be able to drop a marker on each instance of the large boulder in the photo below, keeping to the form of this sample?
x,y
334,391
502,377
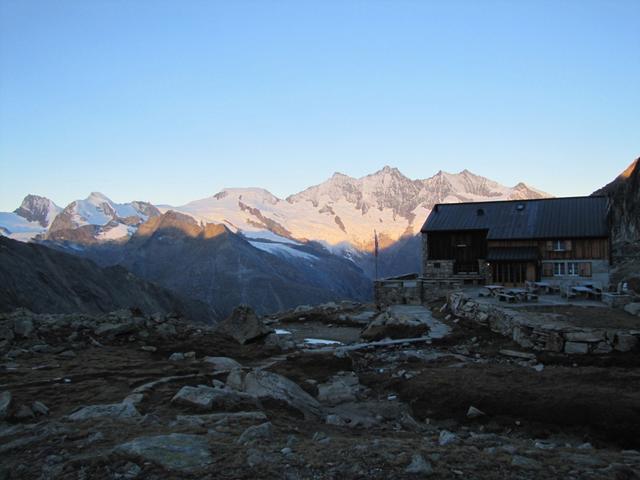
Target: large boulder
x,y
222,364
208,398
269,385
243,325
395,323
174,452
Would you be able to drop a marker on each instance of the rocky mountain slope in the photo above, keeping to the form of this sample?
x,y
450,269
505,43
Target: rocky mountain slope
x,y
624,195
31,219
97,218
211,263
45,280
342,212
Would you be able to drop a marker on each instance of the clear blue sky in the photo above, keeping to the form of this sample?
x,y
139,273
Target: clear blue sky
x,y
171,101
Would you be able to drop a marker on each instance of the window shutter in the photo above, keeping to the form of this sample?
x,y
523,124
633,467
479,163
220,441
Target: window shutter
x,y
549,246
585,269
547,269
567,245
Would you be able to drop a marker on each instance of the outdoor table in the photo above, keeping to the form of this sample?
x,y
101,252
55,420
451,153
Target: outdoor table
x,y
494,289
519,293
544,285
584,291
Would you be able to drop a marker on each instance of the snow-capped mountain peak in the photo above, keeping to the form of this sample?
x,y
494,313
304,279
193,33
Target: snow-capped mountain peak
x,y
340,213
35,208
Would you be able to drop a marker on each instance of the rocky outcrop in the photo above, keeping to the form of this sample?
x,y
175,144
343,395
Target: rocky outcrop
x,y
624,204
244,326
268,385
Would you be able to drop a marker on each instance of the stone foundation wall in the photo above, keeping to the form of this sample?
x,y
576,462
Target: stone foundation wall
x,y
542,332
398,292
403,291
438,269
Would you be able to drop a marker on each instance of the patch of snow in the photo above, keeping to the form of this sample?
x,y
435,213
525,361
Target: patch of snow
x,y
320,341
117,232
20,228
267,235
281,331
282,250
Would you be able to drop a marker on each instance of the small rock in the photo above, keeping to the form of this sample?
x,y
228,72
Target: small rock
x,y
255,457
538,367
419,466
263,431
114,410
176,357
40,408
190,355
524,462
68,354
5,404
544,445
446,438
473,412
149,348
24,412
341,388
23,327
517,354
286,451
632,308
585,446
131,470
321,437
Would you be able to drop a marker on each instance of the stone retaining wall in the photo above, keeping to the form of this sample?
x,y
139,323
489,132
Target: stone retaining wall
x,y
545,332
410,290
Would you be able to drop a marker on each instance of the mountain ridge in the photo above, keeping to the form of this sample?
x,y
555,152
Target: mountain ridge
x,y
340,212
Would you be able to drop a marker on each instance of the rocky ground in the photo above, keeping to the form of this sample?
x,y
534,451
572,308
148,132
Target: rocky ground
x,y
124,396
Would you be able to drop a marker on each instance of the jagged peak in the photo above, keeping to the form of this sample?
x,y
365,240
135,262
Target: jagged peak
x,y
98,197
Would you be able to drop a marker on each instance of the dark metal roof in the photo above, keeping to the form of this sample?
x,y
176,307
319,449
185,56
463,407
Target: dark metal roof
x,y
512,254
571,217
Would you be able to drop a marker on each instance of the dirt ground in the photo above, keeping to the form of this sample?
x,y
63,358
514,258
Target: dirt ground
x,y
570,418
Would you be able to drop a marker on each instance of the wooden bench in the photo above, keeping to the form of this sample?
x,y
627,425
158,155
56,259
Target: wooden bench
x,y
505,297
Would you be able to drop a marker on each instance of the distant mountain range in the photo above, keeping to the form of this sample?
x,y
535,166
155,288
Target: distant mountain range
x,y
249,246
341,213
